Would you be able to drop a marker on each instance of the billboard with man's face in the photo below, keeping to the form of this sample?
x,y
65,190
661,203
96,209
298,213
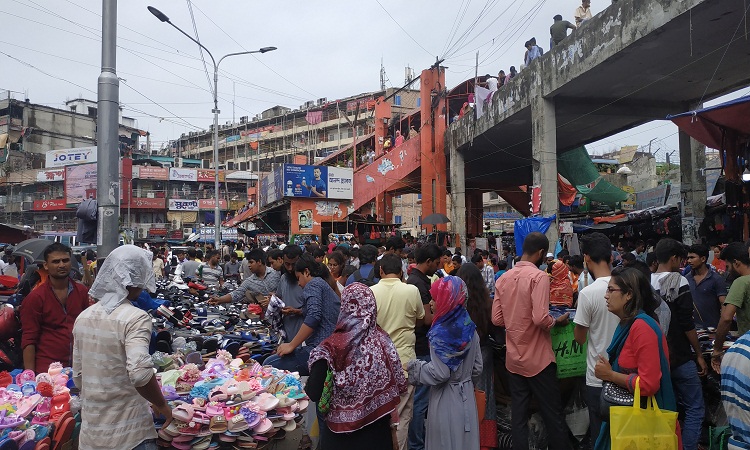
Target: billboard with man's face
x,y
318,182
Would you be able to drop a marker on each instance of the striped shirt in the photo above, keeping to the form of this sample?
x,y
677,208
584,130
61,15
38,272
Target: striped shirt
x,y
735,391
111,359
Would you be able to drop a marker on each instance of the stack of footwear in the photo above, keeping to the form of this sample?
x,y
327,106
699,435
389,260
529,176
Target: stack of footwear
x,y
229,401
35,410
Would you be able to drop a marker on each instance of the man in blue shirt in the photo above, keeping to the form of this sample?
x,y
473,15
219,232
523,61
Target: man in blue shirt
x,y
317,185
367,257
707,287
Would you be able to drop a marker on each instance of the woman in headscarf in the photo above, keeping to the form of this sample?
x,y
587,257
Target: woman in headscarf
x,y
561,289
356,377
111,363
452,420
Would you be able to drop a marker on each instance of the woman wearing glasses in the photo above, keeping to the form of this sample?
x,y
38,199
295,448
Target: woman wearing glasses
x,y
639,348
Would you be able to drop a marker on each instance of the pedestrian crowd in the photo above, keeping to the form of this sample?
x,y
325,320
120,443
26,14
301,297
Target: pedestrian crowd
x,y
398,342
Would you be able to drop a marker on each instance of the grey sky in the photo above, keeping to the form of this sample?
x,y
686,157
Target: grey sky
x,y
327,49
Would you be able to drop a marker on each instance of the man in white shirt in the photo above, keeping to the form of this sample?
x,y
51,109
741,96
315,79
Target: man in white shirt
x,y
594,321
583,12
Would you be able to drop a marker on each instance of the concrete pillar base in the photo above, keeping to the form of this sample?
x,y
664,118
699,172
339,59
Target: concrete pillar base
x,y
544,154
692,186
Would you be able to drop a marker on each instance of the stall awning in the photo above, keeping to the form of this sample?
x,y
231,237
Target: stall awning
x,y
708,125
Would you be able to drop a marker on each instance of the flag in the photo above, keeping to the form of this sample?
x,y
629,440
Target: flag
x,y
314,117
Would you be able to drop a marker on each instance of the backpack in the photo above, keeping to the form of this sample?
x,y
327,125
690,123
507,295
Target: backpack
x,y
369,281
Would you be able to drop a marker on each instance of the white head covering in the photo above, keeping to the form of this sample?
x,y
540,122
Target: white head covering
x,y
127,265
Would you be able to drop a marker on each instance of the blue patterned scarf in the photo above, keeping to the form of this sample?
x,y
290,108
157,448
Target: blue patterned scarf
x,y
452,328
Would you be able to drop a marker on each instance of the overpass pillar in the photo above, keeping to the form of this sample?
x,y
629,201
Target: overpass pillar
x,y
544,155
458,193
434,185
692,185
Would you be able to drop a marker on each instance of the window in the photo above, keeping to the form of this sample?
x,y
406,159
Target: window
x,y
397,100
493,195
419,103
419,196
420,221
331,136
73,109
349,132
397,219
360,131
398,197
92,112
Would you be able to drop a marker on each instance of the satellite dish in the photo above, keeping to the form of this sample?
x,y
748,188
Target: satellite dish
x,y
624,170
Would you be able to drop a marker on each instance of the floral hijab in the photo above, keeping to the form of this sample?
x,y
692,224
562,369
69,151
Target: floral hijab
x,y
367,373
452,328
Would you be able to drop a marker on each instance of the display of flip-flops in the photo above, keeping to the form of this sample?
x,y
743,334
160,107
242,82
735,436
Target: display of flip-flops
x,y
35,410
229,402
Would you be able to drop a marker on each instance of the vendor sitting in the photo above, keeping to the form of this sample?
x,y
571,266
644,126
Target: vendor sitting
x,y
263,280
49,312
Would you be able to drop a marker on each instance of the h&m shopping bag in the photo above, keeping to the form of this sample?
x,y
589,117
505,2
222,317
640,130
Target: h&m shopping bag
x,y
634,428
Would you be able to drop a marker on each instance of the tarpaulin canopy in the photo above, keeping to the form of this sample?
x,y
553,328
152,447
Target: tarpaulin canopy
x,y
709,125
522,227
576,166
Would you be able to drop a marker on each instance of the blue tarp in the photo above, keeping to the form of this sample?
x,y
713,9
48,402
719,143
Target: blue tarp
x,y
523,227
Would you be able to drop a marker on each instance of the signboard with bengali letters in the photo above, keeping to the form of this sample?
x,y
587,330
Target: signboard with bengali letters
x,y
150,173
207,175
178,174
209,203
183,205
45,176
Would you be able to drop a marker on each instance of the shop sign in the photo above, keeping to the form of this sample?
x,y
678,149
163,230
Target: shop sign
x,y
651,197
209,203
68,156
183,205
176,234
629,203
157,232
178,174
148,203
208,175
234,138
150,173
229,234
45,176
50,205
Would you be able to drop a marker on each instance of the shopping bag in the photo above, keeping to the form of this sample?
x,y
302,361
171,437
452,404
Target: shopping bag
x,y
634,428
718,438
481,399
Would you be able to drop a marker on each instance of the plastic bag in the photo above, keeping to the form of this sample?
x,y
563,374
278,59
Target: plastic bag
x,y
577,414
634,428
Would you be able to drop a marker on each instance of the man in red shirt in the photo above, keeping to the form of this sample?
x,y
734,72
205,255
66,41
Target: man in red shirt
x,y
521,305
49,312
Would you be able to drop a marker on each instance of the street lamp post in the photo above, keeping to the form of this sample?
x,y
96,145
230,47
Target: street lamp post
x,y
217,213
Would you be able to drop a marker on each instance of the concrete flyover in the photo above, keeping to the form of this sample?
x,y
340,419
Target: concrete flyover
x,y
635,62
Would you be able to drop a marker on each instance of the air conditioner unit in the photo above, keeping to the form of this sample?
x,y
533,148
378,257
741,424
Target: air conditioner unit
x,y
187,231
243,166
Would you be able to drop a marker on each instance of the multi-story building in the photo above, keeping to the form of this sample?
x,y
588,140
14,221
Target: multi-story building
x,y
314,130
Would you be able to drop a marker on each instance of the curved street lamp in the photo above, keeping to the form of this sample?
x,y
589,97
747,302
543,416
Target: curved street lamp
x,y
217,212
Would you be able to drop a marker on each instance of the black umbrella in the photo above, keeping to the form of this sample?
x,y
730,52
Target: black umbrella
x,y
435,219
33,249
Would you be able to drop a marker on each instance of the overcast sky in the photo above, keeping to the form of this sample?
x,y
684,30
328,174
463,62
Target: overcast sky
x,y
328,48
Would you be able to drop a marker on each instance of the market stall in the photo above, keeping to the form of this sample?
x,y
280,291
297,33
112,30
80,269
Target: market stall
x,y
209,366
